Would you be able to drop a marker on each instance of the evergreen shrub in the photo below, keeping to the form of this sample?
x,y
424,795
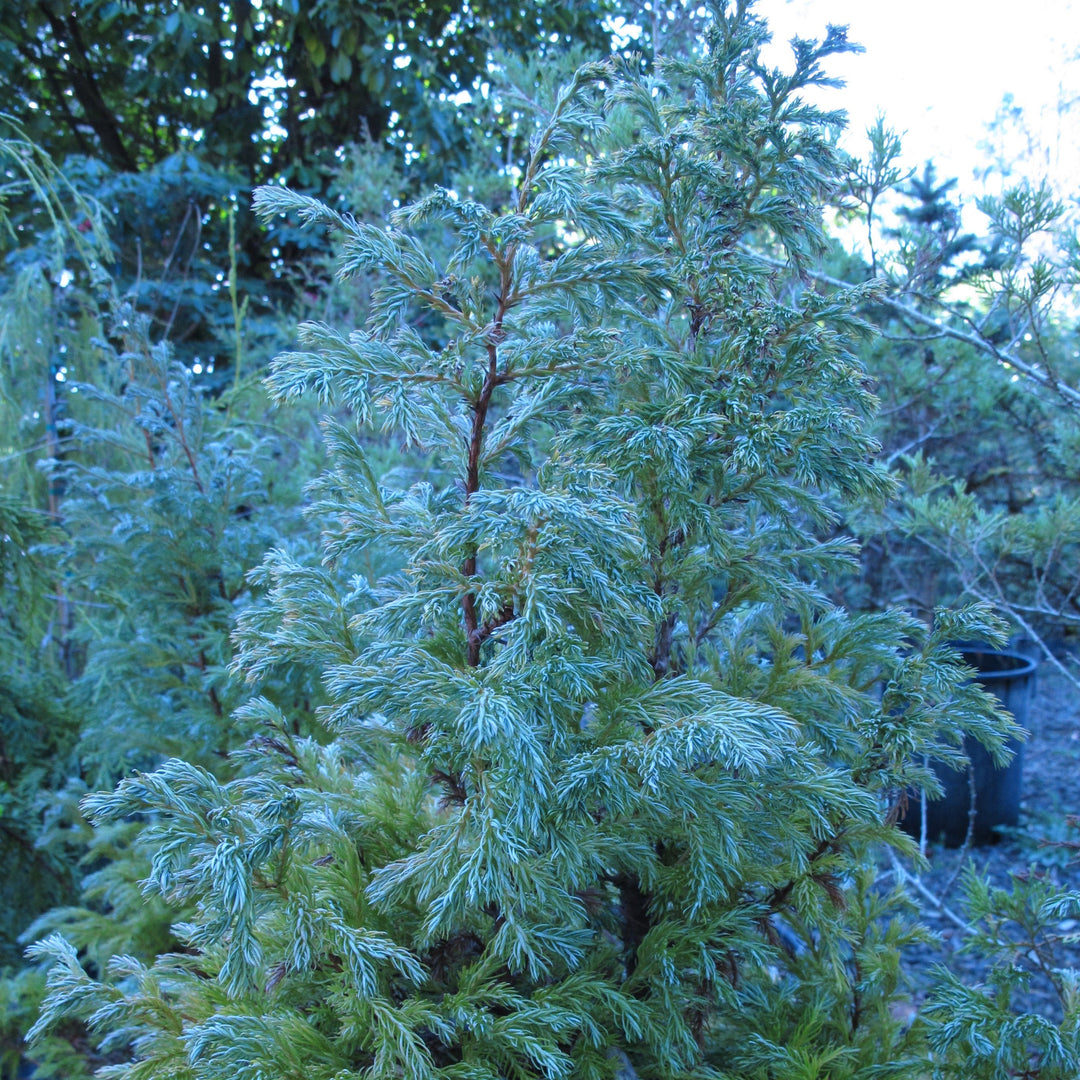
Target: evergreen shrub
x,y
607,772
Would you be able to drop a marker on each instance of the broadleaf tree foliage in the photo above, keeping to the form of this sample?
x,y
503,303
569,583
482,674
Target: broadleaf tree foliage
x,y
172,112
606,769
271,87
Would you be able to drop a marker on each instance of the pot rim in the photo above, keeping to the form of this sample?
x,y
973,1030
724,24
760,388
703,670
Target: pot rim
x,y
1023,666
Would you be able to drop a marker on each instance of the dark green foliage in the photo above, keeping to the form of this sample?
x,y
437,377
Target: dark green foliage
x,y
37,731
271,88
173,112
172,239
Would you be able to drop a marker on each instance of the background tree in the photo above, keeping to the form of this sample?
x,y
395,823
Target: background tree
x,y
133,506
273,88
977,373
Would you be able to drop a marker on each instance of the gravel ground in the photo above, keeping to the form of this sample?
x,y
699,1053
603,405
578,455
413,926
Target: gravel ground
x,y
1051,793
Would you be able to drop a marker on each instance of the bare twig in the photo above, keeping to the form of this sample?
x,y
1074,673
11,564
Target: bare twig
x,y
965,847
903,877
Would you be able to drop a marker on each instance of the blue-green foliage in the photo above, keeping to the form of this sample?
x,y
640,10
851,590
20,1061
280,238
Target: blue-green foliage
x,y
171,491
607,768
978,1031
37,728
165,509
132,505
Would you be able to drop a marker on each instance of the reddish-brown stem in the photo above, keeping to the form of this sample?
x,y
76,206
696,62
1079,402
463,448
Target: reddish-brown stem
x,y
181,437
215,701
484,632
149,449
779,896
473,638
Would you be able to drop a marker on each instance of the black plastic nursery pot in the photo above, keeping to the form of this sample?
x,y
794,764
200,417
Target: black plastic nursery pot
x,y
1010,676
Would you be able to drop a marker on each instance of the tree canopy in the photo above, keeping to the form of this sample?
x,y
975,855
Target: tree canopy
x,y
270,88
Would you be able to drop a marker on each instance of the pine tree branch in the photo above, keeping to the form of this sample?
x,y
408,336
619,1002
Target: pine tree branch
x,y
181,437
85,88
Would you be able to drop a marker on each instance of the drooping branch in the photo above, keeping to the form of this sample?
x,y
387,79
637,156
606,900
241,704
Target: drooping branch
x,y
973,337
